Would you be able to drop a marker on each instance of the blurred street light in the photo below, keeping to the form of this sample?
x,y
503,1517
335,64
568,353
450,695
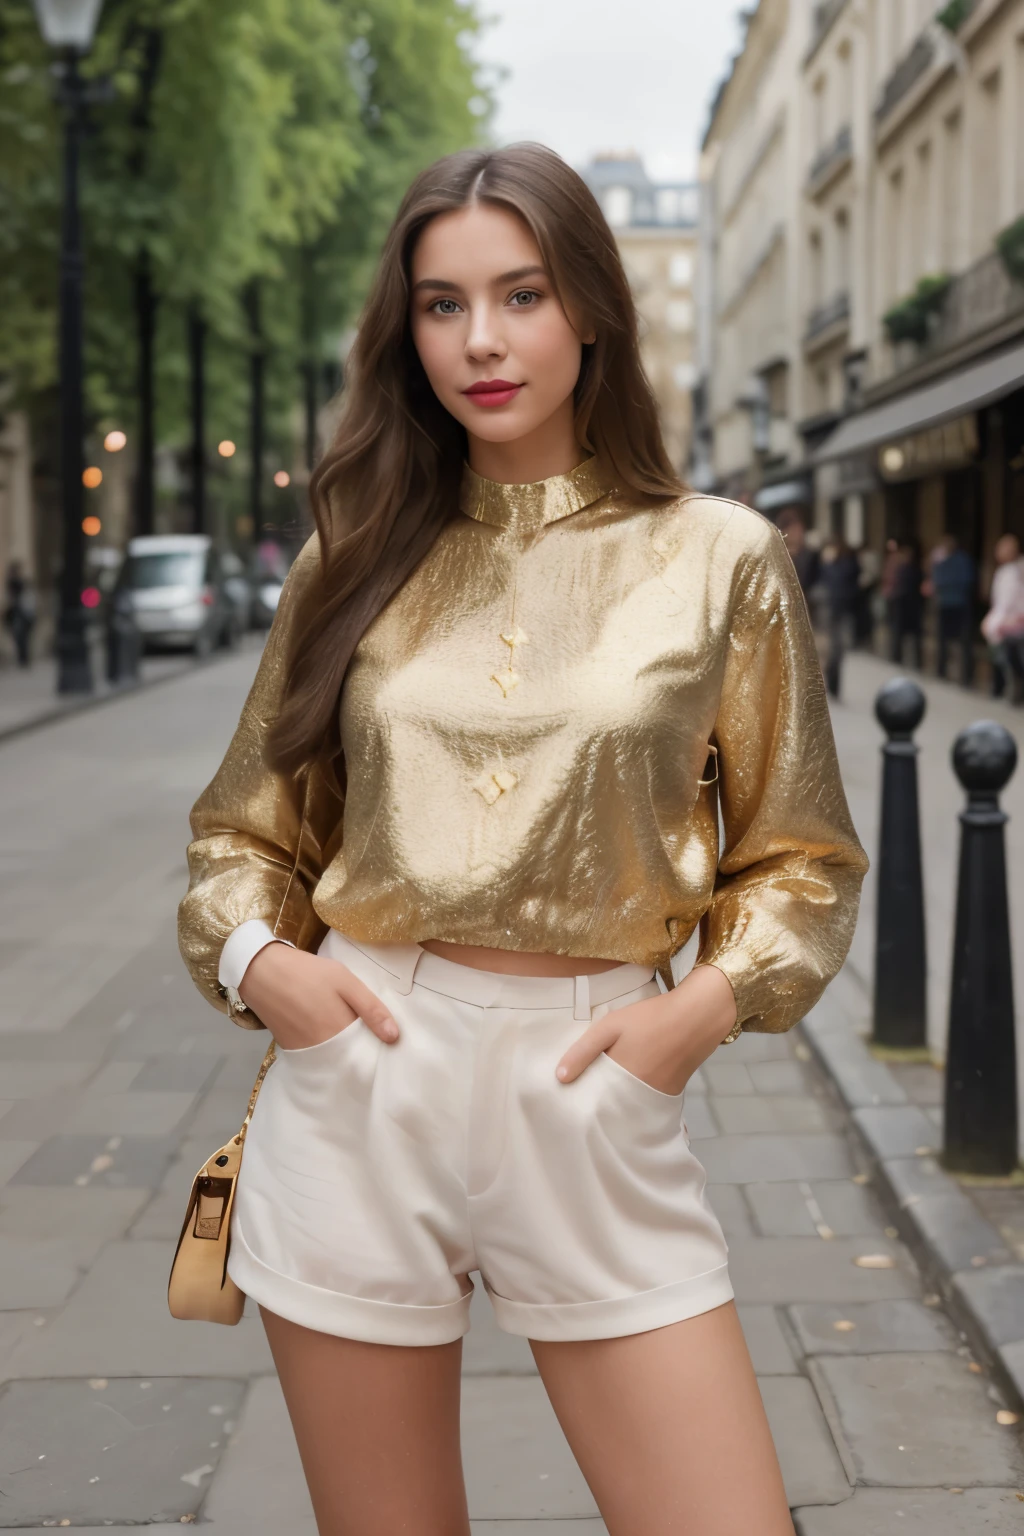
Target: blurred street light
x,y
114,441
69,26
282,479
91,526
226,449
92,477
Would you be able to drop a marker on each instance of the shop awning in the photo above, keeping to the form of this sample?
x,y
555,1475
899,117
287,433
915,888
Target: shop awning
x,y
966,390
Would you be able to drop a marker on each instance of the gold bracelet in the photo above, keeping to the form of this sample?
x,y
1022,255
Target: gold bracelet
x,y
734,1033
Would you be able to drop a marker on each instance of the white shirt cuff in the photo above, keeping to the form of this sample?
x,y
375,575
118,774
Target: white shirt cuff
x,y
242,946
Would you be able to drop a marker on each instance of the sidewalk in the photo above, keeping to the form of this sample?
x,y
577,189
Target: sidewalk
x,y
117,1082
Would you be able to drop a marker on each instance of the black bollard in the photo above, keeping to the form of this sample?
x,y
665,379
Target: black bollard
x,y
981,1057
900,1019
124,642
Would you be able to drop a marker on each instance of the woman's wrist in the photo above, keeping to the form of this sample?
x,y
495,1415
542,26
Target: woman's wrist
x,y
707,1006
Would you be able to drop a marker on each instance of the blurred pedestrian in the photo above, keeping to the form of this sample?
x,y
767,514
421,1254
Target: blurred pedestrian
x,y
20,612
806,559
870,569
952,583
840,579
901,584
1003,625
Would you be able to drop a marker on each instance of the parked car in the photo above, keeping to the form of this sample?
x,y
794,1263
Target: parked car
x,y
178,592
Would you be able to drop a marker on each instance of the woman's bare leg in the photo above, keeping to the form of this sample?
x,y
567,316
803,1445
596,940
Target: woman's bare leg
x,y
378,1431
669,1429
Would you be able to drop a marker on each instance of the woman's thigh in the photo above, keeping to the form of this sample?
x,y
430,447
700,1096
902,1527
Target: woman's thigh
x,y
377,1427
669,1429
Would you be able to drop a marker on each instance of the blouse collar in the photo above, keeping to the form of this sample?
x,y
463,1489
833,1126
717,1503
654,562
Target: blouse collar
x,y
527,507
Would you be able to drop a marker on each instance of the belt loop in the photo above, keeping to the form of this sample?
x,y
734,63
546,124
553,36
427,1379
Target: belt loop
x,y
405,963
581,999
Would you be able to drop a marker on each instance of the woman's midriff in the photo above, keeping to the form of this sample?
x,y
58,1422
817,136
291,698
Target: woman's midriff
x,y
509,962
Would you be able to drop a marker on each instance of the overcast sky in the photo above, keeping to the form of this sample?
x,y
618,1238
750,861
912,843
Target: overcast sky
x,y
591,75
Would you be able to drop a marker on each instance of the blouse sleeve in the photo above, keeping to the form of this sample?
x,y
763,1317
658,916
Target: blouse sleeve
x,y
782,916
261,838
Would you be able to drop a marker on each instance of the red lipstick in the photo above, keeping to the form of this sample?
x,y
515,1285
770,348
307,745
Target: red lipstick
x,y
492,392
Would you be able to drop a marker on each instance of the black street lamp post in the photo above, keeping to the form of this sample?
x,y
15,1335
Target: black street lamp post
x,y
69,27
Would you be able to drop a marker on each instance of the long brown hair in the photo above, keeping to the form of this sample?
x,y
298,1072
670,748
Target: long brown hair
x,y
390,480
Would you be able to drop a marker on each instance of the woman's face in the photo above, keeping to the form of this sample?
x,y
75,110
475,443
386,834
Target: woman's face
x,y
499,350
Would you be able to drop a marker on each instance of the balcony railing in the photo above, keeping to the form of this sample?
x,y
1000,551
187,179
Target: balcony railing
x,y
822,319
829,161
979,300
905,76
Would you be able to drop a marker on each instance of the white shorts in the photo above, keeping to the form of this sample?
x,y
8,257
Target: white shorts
x,y
377,1177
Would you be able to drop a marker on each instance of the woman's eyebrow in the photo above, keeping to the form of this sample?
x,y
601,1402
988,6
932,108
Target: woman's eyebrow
x,y
445,285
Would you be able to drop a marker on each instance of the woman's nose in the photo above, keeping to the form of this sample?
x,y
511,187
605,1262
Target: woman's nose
x,y
485,338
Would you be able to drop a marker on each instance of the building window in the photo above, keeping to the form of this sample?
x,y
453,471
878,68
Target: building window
x,y
926,254
680,270
896,274
679,314
842,251
618,206
952,192
817,264
988,158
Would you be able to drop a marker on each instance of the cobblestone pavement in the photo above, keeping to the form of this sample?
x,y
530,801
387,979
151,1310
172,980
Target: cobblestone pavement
x,y
116,1082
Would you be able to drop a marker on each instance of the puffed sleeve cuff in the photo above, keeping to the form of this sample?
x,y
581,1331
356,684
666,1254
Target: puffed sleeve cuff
x,y
242,946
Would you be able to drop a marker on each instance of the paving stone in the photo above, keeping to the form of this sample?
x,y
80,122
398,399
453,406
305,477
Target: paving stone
x,y
33,1046
34,1211
538,1528
851,1210
729,1206
114,1077
260,1487
220,1113
1011,1358
130,1114
38,1119
136,1162
13,1157
811,1468
42,1271
742,1114
947,1222
880,1327
518,1465
33,1079
895,1130
782,1270
699,1117
780,1210
784,1077
728,1077
486,1349
769,1349
178,1072
753,1046
124,1451
996,1296
861,1080
916,1512
117,1324
923,1084
915,1421
15,1327
750,1159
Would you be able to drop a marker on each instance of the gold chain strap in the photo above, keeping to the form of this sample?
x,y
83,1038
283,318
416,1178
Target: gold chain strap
x,y
257,1085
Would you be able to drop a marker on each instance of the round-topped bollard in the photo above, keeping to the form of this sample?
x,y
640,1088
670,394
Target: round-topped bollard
x,y
984,758
900,707
981,1061
900,1012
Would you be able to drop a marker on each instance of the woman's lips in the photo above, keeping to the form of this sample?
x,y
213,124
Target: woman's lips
x,y
492,392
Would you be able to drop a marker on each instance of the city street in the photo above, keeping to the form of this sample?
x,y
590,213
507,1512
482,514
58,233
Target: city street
x,y
116,1082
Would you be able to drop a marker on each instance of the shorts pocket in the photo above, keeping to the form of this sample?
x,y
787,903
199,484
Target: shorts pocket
x,y
639,1086
299,1052
320,1079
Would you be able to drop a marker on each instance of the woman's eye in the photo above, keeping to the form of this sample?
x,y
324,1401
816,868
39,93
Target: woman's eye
x,y
524,298
445,307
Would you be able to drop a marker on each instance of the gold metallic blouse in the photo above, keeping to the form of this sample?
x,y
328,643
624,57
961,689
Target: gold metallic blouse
x,y
538,733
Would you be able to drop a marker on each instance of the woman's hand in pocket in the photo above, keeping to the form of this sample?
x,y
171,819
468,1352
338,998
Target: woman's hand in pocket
x,y
306,999
664,1039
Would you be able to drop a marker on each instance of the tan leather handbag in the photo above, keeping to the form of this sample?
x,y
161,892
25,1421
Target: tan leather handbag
x,y
200,1288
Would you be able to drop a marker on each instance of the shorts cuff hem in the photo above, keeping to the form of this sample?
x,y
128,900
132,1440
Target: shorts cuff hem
x,y
640,1313
346,1317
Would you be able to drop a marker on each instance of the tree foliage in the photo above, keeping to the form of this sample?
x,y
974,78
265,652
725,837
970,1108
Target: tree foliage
x,y
260,141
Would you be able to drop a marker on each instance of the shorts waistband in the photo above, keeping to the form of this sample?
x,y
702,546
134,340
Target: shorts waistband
x,y
406,965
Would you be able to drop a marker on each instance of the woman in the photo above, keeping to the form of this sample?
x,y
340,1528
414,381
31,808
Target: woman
x,y
475,786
